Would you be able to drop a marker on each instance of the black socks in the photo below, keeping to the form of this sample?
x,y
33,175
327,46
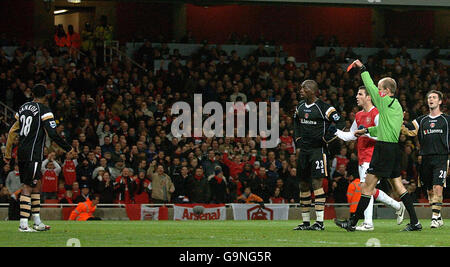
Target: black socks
x,y
406,199
362,206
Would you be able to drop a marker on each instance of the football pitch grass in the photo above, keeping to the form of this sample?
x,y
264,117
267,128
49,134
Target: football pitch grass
x,y
218,234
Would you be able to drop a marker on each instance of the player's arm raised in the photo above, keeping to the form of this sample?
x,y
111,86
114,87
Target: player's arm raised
x,y
368,83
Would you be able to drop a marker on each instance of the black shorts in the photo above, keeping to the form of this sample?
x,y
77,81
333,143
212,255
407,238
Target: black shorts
x,y
312,164
433,171
386,160
30,172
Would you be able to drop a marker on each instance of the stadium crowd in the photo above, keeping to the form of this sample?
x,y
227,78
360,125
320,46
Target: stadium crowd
x,y
118,118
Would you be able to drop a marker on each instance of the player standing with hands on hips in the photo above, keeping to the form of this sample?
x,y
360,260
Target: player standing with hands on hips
x,y
33,121
386,158
433,133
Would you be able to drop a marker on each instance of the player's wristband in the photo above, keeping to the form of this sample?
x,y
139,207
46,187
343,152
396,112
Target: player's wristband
x,y
363,68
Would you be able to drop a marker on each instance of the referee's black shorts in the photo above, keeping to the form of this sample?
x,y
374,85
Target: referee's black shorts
x,y
30,172
433,171
386,160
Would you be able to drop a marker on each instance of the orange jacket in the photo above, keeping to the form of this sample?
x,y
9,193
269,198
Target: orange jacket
x,y
354,194
74,40
61,42
252,198
83,211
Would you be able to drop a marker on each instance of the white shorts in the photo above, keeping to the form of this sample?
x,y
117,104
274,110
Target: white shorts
x,y
363,172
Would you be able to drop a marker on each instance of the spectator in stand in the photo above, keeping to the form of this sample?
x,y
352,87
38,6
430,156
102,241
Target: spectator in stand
x,y
175,167
263,186
84,194
235,188
237,95
12,181
218,187
50,173
116,154
103,33
182,186
57,150
403,53
92,159
5,195
103,131
284,172
210,164
340,159
4,174
284,193
248,197
271,181
107,145
272,159
74,42
293,190
246,175
75,190
199,187
236,166
145,54
97,176
285,138
276,198
67,198
162,185
84,173
340,184
260,51
61,36
116,170
143,189
87,37
61,189
105,188
125,187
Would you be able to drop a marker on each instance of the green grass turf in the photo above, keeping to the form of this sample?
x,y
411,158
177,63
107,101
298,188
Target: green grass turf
x,y
217,234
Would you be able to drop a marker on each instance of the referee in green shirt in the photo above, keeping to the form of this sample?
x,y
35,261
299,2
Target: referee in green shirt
x,y
386,158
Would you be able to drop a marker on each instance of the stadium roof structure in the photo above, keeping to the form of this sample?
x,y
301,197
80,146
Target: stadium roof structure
x,y
399,3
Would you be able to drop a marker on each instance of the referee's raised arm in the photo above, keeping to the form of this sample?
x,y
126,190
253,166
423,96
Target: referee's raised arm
x,y
372,89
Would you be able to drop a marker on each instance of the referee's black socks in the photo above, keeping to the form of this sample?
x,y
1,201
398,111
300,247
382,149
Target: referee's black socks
x,y
406,199
362,206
